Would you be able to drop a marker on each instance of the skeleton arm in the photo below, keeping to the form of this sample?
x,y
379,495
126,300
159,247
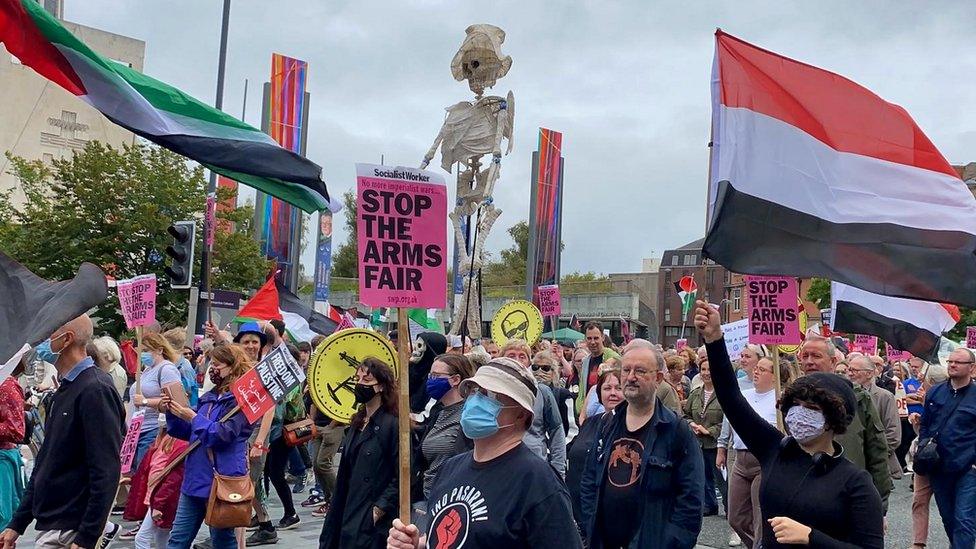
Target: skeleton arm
x,y
502,117
433,148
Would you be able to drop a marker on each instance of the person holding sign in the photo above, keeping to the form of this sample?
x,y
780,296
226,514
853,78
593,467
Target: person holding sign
x,y
222,447
367,491
500,494
810,495
158,358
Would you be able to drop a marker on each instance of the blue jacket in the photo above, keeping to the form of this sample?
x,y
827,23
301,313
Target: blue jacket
x,y
227,439
672,481
957,439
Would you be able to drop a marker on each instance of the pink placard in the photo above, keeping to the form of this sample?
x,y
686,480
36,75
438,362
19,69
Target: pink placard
x,y
971,337
137,299
131,441
895,355
680,344
402,225
549,304
866,344
773,318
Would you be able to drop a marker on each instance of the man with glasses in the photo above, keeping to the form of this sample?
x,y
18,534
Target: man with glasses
x,y
950,419
864,371
499,494
642,485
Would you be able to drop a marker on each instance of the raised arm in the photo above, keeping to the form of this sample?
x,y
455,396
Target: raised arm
x,y
759,436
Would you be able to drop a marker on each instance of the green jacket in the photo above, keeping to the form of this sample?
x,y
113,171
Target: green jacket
x,y
584,373
711,419
865,445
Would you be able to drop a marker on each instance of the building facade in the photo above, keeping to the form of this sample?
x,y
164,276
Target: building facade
x,y
41,121
711,279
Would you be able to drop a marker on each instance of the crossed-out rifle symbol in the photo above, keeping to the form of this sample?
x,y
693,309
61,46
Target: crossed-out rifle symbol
x,y
350,382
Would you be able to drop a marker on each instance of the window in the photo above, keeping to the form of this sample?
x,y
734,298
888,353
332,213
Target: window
x,y
47,158
667,314
689,259
672,331
674,259
736,299
667,276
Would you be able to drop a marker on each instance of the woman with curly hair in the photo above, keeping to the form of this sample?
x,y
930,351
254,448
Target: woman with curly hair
x,y
810,493
366,491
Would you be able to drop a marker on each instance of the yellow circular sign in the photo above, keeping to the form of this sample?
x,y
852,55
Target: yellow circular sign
x,y
518,319
332,369
804,320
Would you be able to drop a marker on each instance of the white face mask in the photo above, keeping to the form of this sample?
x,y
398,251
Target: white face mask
x,y
805,424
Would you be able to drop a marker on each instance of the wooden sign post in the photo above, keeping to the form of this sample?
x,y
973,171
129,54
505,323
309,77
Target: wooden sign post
x,y
403,354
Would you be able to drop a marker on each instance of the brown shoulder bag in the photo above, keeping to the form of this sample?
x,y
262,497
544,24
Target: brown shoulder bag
x,y
229,505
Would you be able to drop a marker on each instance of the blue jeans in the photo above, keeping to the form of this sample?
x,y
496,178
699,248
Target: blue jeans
x,y
189,517
146,438
955,494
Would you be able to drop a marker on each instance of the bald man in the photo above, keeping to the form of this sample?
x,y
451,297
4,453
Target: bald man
x,y
76,473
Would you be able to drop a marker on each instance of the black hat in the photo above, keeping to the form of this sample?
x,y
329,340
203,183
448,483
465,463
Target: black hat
x,y
836,385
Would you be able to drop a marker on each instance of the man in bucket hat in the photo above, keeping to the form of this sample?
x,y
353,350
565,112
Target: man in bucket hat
x,y
500,494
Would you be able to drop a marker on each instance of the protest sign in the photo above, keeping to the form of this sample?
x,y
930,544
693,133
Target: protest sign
x,y
971,337
402,228
549,304
131,441
900,400
332,369
271,379
895,355
681,344
736,337
866,344
773,319
517,319
137,299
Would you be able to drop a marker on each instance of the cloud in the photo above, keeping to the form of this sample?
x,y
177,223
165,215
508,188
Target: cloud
x,y
627,83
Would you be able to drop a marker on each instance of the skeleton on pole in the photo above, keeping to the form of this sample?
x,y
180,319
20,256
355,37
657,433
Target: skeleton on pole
x,y
472,131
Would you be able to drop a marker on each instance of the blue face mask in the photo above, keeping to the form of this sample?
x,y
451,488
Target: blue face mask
x,y
437,387
479,417
147,360
43,352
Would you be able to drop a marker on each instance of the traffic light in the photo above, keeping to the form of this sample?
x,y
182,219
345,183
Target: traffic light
x,y
180,271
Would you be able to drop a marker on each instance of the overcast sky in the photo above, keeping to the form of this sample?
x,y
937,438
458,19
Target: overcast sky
x,y
626,82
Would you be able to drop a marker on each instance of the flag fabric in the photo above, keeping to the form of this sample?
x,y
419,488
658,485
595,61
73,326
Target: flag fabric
x,y
157,111
32,308
275,302
574,323
346,322
625,330
687,289
906,324
814,175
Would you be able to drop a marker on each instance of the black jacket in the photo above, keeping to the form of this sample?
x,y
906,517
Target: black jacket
x,y
77,470
368,476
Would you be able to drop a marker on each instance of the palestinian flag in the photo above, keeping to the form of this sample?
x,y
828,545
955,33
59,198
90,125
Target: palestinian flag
x,y
687,288
274,302
814,175
906,324
157,111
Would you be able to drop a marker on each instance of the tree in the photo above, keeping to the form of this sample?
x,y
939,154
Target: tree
x,y
345,260
819,292
111,207
588,276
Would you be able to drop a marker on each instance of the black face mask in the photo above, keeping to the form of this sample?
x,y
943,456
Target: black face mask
x,y
364,393
215,376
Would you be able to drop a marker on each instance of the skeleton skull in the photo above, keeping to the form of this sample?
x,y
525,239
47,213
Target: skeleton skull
x,y
480,60
419,348
516,325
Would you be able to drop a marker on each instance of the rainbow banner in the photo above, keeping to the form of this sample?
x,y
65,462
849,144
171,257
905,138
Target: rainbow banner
x,y
279,222
545,213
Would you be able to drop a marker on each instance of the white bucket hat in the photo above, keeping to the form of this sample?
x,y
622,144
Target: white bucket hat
x,y
504,376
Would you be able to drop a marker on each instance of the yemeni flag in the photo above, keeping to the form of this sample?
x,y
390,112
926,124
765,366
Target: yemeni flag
x,y
157,111
814,175
906,324
274,302
687,288
32,308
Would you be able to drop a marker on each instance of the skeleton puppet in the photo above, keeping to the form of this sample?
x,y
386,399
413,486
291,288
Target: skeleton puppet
x,y
427,347
471,131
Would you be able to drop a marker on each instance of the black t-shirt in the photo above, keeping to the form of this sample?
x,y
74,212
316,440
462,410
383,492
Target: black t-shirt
x,y
515,500
620,497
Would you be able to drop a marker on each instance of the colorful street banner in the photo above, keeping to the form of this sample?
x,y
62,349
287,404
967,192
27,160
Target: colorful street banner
x,y
271,379
131,441
866,344
323,257
772,310
549,304
286,115
402,226
137,299
545,211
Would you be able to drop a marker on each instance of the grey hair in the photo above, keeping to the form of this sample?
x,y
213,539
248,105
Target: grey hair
x,y
107,346
636,344
831,348
972,355
936,373
760,350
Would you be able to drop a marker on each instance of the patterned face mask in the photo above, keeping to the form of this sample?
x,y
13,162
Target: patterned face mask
x,y
805,424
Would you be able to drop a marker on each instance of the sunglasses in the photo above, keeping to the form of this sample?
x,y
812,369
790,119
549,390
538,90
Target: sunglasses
x,y
543,367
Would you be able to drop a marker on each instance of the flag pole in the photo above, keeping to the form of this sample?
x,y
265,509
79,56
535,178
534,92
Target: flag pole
x,y
138,360
403,355
779,387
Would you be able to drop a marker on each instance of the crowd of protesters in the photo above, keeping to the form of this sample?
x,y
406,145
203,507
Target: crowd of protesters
x,y
558,444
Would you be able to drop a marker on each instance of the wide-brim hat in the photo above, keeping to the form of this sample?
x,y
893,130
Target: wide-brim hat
x,y
507,377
